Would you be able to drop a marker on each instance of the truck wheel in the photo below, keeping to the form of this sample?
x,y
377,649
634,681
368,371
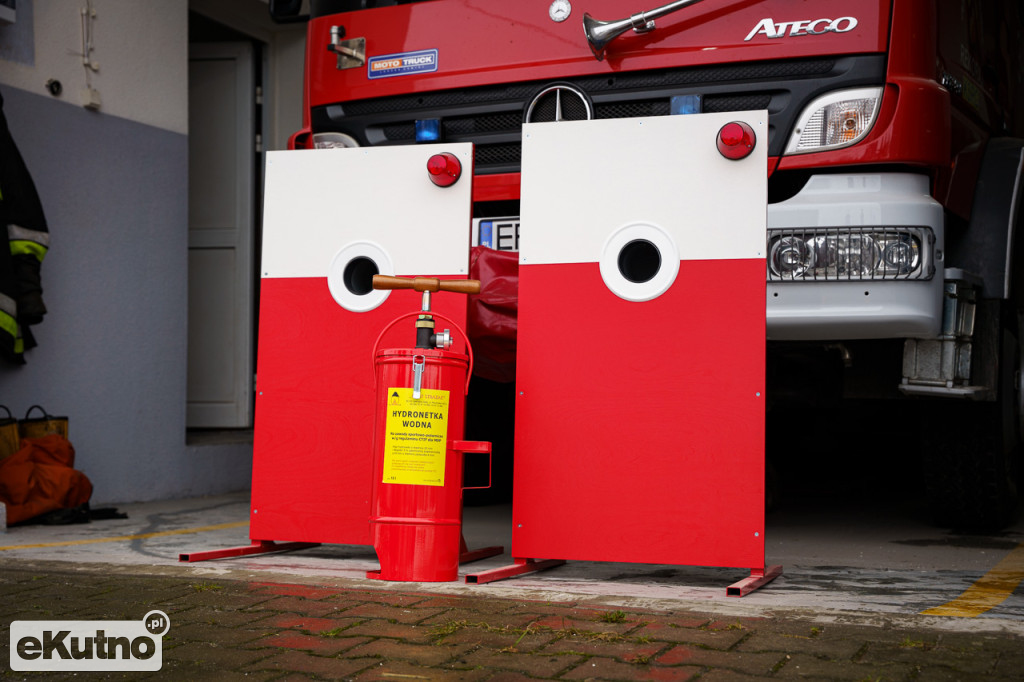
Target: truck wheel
x,y
972,449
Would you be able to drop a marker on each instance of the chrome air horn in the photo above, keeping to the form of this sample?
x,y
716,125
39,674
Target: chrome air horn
x,y
600,33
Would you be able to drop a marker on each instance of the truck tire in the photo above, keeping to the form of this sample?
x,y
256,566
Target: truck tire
x,y
972,449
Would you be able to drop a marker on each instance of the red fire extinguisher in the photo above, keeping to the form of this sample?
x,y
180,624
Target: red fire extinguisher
x,y
416,499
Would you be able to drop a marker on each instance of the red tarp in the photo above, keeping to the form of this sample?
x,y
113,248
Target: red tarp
x,y
493,313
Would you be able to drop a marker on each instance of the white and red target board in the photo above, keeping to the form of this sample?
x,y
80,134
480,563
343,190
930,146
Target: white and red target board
x,y
641,349
332,219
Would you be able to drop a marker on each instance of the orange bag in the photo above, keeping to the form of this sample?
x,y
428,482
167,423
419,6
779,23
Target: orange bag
x,y
41,478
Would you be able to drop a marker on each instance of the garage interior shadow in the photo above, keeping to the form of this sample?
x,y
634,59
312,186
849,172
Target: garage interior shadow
x,y
860,453
847,457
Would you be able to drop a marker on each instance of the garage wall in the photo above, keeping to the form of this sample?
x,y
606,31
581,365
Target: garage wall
x,y
285,52
113,182
140,49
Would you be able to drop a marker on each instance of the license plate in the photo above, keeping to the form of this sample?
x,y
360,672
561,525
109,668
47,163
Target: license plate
x,y
501,234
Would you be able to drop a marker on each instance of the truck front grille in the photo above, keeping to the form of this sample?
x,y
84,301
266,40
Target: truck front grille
x,y
491,116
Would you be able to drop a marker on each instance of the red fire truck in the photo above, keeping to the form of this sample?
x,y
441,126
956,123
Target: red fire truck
x,y
895,173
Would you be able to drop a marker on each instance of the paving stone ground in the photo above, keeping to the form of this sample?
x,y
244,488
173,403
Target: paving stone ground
x,y
227,629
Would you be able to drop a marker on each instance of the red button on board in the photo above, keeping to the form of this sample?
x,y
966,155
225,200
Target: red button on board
x,y
736,140
444,169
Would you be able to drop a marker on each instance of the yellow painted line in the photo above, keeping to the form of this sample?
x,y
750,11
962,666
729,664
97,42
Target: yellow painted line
x,y
991,590
137,536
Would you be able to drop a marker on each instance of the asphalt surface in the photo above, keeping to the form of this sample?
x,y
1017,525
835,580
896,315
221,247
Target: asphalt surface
x,y
865,595
264,630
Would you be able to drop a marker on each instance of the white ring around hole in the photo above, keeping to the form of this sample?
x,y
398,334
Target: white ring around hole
x,y
358,303
639,291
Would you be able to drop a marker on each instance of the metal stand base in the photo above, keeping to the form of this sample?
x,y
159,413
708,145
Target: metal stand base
x,y
758,578
257,547
520,567
468,556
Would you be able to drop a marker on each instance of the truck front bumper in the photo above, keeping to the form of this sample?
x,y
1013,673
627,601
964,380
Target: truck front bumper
x,y
839,305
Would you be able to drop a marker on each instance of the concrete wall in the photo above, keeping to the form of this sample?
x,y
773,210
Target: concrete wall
x,y
140,48
114,185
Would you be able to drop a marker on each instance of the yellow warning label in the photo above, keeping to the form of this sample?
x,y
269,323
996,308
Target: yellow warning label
x,y
417,437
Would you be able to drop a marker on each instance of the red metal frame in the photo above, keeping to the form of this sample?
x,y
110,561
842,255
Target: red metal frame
x,y
520,567
758,578
468,556
257,547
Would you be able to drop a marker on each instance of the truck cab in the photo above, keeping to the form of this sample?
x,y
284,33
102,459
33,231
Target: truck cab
x,y
895,173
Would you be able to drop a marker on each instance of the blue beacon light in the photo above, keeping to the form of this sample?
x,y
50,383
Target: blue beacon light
x,y
428,130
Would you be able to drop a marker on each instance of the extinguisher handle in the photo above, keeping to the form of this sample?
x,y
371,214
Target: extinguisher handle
x,y
477,446
445,318
458,286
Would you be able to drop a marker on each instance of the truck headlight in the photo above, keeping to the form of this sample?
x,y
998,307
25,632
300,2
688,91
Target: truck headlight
x,y
790,257
851,253
835,120
333,141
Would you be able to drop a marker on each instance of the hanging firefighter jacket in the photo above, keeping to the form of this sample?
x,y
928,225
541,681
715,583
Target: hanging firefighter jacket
x,y
22,219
